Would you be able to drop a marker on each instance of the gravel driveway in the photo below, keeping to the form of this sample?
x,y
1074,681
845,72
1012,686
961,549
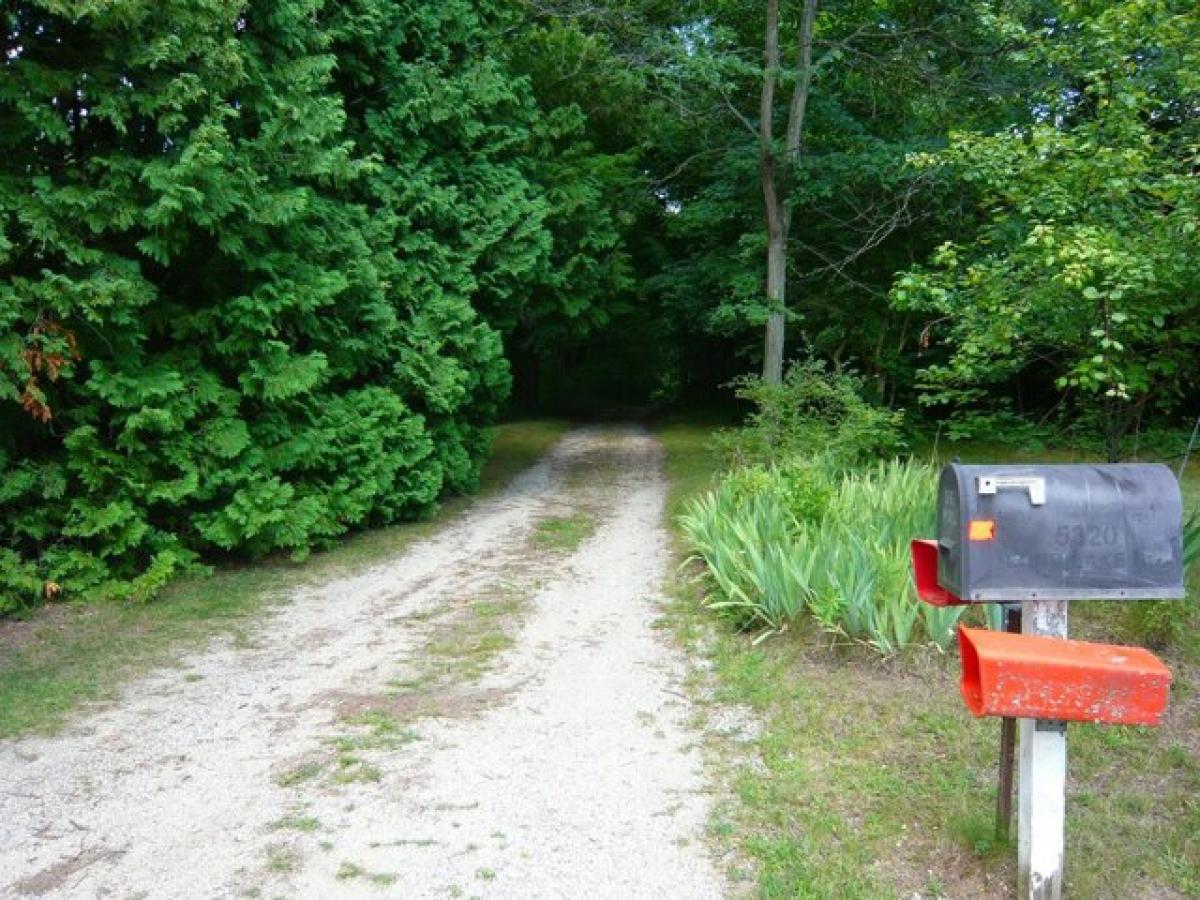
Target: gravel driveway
x,y
484,715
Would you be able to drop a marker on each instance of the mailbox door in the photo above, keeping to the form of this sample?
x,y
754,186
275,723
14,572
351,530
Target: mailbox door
x,y
951,532
1069,532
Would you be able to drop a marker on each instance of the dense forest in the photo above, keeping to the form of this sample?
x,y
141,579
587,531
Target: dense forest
x,y
268,268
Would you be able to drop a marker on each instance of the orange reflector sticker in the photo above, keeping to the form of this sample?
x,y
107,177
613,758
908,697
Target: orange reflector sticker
x,y
981,530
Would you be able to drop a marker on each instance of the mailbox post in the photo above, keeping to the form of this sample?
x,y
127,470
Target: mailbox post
x,y
1041,536
1042,778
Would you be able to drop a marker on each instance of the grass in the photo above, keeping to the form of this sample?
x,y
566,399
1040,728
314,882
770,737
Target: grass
x,y
869,779
304,824
468,652
563,534
349,871
281,859
69,655
298,774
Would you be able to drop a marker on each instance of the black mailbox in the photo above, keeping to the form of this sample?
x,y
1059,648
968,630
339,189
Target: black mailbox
x,y
1012,533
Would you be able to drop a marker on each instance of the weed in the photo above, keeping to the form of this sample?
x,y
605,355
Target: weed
x,y
353,770
471,650
563,534
348,871
296,823
305,771
378,729
282,859
497,609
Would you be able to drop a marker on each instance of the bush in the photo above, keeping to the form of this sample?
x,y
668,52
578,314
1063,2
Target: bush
x,y
812,413
848,565
238,281
748,545
801,487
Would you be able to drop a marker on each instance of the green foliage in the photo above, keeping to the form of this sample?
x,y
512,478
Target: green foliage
x,y
1191,540
845,559
801,486
1082,275
242,250
747,546
813,412
811,517
889,79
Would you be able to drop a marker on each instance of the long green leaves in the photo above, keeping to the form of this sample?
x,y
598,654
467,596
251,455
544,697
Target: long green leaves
x,y
848,567
1191,540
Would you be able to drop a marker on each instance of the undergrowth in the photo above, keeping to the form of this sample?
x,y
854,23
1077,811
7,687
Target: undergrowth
x,y
779,541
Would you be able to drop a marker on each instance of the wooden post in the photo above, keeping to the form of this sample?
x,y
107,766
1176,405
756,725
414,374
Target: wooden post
x,y
1043,779
1008,746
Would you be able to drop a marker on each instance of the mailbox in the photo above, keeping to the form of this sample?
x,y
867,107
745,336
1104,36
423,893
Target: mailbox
x,y
1012,533
1035,537
1052,678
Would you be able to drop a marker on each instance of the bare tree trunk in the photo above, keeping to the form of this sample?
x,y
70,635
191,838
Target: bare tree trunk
x,y
779,212
776,288
776,238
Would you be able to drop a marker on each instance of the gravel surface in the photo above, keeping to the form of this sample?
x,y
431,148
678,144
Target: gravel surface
x,y
327,760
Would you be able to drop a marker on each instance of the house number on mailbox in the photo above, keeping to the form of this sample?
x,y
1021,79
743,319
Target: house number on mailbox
x,y
1089,535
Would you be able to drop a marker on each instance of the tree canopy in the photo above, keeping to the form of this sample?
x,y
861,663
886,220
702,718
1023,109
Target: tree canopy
x,y
269,267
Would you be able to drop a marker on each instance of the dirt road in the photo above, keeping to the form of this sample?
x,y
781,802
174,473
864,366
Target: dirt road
x,y
492,713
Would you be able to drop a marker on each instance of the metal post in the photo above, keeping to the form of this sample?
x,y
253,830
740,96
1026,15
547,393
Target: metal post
x,y
1008,743
1043,779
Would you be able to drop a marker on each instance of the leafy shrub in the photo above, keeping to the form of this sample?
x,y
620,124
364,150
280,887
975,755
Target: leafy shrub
x,y
813,413
239,282
802,487
848,566
748,544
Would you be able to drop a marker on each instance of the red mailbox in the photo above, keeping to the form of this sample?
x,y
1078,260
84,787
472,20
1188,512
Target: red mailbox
x,y
1033,677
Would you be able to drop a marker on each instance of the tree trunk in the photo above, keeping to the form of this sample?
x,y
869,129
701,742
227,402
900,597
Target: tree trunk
x,y
776,294
776,238
779,211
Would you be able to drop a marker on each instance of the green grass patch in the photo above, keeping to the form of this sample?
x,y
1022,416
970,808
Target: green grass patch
x,y
299,774
870,779
349,871
68,655
304,824
563,534
351,769
468,651
282,859
375,729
